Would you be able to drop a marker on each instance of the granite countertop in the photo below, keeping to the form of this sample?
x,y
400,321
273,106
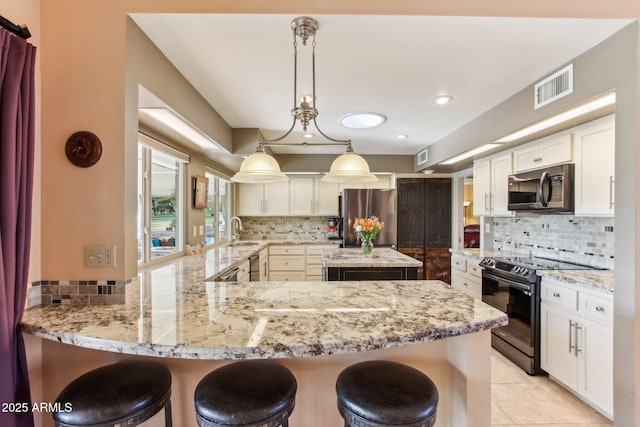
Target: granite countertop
x,y
595,280
169,312
477,253
380,257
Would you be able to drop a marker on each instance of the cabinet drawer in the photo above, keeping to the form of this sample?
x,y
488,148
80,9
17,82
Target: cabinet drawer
x,y
560,295
286,276
314,278
314,270
474,269
596,308
286,263
287,250
314,259
466,283
459,262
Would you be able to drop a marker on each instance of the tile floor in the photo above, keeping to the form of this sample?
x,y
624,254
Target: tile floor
x,y
519,400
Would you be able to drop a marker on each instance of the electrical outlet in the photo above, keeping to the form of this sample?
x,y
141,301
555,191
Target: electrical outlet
x,y
100,256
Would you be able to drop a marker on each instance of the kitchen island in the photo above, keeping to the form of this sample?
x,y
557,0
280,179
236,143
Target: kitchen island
x,y
382,264
314,328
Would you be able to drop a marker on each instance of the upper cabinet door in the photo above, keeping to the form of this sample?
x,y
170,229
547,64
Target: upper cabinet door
x,y
301,197
326,197
276,199
250,199
481,187
546,152
594,154
501,168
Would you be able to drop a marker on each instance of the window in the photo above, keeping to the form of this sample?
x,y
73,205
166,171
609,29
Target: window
x,y
217,213
160,201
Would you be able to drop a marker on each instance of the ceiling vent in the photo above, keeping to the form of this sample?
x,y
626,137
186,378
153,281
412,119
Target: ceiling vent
x,y
423,157
554,87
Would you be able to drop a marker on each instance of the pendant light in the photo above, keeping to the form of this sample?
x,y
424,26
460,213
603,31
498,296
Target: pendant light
x,y
261,167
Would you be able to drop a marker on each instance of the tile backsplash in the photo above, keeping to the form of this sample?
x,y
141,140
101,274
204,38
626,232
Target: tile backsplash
x,y
584,240
284,228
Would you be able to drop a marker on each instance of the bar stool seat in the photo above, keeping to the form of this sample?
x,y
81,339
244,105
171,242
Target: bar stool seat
x,y
249,393
123,393
382,393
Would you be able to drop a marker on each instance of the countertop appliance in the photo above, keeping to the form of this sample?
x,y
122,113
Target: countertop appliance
x,y
512,285
363,203
545,190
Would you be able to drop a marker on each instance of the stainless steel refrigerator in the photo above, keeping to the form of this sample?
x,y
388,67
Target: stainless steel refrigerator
x,y
363,203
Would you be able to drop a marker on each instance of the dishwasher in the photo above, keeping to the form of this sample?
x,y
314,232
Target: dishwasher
x,y
228,276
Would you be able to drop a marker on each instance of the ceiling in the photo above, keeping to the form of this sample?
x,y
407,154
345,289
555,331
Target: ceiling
x,y
394,65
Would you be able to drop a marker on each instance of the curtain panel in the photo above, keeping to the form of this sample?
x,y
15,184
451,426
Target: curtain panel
x,y
17,59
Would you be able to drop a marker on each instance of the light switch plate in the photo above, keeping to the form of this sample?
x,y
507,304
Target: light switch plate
x,y
99,256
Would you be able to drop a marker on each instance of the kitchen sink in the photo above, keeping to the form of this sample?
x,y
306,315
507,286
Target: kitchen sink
x,y
235,244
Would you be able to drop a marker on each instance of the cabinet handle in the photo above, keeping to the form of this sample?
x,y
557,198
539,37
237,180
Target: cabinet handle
x,y
537,159
311,205
466,284
578,328
261,206
599,308
611,184
486,203
571,346
556,295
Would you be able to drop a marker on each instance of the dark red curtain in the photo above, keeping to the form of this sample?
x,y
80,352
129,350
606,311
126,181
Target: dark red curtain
x,y
17,59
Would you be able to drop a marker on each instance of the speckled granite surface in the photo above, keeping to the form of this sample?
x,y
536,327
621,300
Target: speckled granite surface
x,y
380,257
171,312
595,280
478,253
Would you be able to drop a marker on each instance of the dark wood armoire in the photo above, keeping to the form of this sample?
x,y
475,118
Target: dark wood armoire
x,y
424,224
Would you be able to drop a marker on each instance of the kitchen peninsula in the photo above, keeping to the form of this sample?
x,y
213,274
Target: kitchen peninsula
x,y
316,329
382,264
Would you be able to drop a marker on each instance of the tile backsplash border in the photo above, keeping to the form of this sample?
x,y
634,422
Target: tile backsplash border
x,y
583,240
77,292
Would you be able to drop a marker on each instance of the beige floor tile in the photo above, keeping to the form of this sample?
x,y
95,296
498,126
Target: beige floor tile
x,y
521,400
498,417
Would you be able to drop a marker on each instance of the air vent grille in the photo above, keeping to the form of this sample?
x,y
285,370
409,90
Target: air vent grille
x,y
554,87
423,156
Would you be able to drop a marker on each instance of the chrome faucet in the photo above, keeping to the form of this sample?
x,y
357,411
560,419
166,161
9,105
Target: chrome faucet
x,y
234,235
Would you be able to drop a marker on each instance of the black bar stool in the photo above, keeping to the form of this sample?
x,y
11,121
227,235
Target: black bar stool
x,y
249,393
380,393
124,394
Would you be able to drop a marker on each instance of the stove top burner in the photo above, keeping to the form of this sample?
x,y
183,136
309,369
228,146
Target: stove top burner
x,y
525,267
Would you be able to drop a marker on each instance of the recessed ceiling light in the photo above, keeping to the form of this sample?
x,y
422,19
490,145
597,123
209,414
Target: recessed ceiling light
x,y
402,136
362,120
444,99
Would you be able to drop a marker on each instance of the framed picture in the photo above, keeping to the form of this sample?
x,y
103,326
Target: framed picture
x,y
200,192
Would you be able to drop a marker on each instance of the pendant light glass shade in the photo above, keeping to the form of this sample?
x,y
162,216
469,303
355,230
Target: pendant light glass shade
x,y
349,167
259,168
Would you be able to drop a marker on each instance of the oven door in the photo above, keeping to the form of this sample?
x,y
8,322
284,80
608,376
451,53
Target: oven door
x,y
517,300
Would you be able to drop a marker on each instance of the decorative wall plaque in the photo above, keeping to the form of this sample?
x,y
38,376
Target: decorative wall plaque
x,y
83,149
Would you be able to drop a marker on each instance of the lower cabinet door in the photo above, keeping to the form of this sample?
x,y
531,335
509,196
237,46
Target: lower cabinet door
x,y
557,345
595,364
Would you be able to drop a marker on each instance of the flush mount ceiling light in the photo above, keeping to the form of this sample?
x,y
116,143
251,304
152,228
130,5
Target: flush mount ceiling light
x,y
173,121
362,120
587,107
444,99
349,167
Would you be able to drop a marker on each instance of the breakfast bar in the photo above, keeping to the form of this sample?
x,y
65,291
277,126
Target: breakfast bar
x,y
316,329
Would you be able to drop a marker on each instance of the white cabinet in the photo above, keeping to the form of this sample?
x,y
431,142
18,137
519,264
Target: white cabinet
x,y
287,263
490,185
466,275
549,151
263,260
594,155
326,197
244,272
301,196
314,261
263,199
576,341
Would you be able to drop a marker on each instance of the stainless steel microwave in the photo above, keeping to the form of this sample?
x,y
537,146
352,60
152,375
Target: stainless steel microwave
x,y
547,189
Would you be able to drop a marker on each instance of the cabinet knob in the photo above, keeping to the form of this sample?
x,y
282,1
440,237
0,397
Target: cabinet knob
x,y
537,159
599,308
556,295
